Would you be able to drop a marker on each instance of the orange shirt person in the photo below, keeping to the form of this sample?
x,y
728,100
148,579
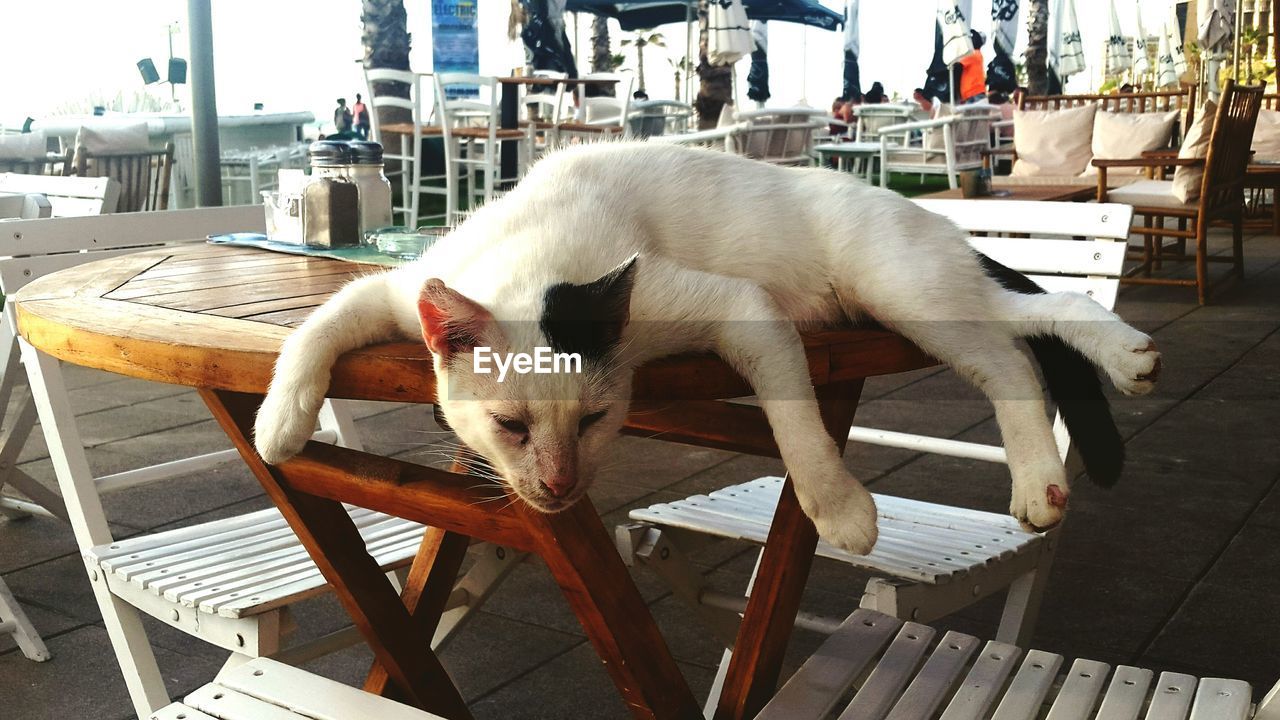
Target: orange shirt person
x,y
973,72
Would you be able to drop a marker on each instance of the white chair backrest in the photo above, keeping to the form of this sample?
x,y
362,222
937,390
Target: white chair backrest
x,y
605,110
1051,256
780,135
413,103
544,103
30,249
479,110
868,119
68,196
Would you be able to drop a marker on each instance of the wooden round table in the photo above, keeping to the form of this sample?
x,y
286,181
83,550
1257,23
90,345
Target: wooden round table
x,y
213,317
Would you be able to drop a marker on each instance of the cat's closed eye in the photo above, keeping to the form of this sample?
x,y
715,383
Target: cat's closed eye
x,y
588,420
513,426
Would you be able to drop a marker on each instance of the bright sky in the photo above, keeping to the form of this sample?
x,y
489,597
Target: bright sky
x,y
291,55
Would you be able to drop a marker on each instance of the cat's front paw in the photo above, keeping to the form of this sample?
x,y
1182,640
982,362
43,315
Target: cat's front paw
x,y
845,517
285,422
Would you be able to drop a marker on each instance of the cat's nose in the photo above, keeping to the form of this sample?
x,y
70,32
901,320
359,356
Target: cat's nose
x,y
560,485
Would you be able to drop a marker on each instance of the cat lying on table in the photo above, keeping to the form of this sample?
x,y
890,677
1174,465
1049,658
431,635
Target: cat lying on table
x,y
619,253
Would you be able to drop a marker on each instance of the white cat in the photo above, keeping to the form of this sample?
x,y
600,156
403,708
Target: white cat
x,y
626,252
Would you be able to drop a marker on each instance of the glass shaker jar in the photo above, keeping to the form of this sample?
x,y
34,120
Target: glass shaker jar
x,y
331,199
375,189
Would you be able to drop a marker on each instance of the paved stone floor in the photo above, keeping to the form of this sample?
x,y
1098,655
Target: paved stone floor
x,y
1175,568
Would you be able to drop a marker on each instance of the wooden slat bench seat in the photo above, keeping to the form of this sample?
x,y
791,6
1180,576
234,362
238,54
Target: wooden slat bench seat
x,y
263,689
877,667
236,567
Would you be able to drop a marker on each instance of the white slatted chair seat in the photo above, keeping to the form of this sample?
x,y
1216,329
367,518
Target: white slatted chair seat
x,y
920,541
904,671
241,566
263,689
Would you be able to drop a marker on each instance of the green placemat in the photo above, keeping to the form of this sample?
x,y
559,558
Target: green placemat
x,y
360,254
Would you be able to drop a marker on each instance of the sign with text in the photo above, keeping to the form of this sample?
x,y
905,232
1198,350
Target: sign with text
x,y
455,42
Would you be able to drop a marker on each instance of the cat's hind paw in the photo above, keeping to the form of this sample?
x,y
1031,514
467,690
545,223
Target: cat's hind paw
x,y
1040,511
847,520
1133,363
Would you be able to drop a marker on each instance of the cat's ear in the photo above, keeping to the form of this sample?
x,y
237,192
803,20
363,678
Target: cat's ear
x,y
588,319
451,321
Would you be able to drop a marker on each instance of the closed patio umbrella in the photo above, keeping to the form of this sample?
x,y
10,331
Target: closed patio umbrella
x,y
852,89
1215,29
1170,61
1066,50
758,75
545,40
953,26
1118,59
1141,65
1002,76
728,33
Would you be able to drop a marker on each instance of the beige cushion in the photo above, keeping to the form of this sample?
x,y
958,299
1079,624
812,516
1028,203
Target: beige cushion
x,y
1053,142
1147,193
1124,136
1266,136
1195,144
27,146
119,139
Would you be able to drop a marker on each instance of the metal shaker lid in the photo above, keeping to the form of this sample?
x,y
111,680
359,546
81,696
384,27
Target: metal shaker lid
x,y
365,152
327,153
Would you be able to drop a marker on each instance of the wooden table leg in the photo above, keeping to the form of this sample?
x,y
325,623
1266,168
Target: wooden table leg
x,y
585,563
766,625
426,591
334,543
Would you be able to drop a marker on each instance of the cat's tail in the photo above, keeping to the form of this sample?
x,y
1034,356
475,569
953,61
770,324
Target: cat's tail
x,y
1074,386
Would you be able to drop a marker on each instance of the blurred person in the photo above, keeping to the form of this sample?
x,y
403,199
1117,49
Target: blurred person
x,y
973,73
360,113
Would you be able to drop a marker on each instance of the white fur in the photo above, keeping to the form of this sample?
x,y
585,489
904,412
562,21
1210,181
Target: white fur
x,y
733,253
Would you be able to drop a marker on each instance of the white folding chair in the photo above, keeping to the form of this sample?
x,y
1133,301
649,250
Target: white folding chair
x,y
228,582
68,196
931,559
413,177
946,145
876,667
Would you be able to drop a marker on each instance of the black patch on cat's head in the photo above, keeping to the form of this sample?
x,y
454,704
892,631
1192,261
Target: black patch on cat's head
x,y
588,319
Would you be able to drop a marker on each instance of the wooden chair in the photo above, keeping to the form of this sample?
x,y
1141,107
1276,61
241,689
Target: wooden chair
x,y
1221,195
903,671
414,179
263,689
229,582
781,136
1183,100
68,196
931,560
143,177
946,145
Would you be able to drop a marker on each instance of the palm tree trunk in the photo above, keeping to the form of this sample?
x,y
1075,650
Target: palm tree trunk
x,y
640,64
715,83
601,52
386,40
1038,47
